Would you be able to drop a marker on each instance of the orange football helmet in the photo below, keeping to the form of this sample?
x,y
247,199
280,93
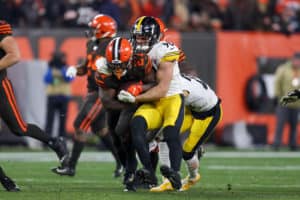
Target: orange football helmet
x,y
103,26
162,27
118,54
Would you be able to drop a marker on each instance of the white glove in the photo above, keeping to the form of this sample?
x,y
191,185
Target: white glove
x,y
126,97
71,72
101,64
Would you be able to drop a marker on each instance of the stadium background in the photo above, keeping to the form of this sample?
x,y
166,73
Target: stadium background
x,y
226,60
230,42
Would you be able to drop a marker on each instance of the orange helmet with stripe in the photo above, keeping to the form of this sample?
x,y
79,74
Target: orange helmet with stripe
x,y
102,26
118,54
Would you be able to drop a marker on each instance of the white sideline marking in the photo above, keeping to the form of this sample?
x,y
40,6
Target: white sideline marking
x,y
254,168
107,157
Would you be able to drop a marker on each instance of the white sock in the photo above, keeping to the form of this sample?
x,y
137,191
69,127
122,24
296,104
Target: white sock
x,y
192,166
164,154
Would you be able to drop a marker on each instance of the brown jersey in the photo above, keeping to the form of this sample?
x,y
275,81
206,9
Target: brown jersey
x,y
95,50
5,30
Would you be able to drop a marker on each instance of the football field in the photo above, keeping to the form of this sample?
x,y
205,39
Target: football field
x,y
224,176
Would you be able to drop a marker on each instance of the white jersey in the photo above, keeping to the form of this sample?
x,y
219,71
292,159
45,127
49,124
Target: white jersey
x,y
167,52
201,97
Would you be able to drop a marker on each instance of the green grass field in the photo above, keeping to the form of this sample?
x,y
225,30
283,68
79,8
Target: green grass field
x,y
224,177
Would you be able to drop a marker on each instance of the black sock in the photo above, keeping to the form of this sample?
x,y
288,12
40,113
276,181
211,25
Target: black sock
x,y
108,142
76,151
154,159
37,133
138,131
171,136
2,174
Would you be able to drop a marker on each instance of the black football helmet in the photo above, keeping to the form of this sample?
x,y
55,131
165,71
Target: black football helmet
x,y
148,30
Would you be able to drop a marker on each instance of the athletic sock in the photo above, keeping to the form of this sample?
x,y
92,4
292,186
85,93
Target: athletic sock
x,y
76,151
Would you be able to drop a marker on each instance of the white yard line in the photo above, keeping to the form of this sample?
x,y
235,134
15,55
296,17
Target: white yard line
x,y
107,157
254,168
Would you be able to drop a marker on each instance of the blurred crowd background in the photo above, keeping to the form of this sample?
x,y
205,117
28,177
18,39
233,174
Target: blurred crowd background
x,y
183,15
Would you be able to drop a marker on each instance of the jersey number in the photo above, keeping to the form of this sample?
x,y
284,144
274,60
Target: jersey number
x,y
190,78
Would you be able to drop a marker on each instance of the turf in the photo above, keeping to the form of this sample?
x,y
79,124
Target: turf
x,y
221,179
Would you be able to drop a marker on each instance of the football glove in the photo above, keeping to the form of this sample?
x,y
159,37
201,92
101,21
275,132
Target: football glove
x,y
71,72
290,97
101,64
126,97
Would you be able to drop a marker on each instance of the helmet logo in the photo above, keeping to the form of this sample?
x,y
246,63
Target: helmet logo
x,y
139,24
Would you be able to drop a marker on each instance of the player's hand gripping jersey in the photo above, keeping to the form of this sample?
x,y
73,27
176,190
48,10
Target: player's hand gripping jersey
x,y
167,52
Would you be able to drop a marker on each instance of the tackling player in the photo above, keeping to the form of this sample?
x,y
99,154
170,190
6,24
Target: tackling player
x,y
202,114
102,29
164,100
122,69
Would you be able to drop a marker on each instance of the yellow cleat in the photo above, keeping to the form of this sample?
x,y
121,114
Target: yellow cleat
x,y
165,186
188,182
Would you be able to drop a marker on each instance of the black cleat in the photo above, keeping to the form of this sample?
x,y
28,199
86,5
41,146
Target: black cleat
x,y
9,185
145,179
118,171
64,171
172,176
129,182
59,146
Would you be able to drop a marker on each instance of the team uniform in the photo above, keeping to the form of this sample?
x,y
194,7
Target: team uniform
x,y
121,68
203,106
161,52
92,115
202,114
10,113
166,113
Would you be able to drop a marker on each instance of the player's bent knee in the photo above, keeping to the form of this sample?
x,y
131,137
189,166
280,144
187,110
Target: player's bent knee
x,y
170,133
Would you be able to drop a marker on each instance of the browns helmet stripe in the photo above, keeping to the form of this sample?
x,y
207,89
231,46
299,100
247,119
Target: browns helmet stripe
x,y
5,28
116,47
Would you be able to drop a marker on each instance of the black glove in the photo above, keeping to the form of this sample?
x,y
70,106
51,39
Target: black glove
x,y
290,97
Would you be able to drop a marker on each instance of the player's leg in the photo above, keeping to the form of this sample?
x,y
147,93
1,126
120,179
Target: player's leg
x,y
173,113
11,116
88,112
200,131
7,182
145,118
100,127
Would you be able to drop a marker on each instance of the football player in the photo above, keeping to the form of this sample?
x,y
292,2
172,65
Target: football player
x,y
102,30
164,100
122,68
10,114
202,114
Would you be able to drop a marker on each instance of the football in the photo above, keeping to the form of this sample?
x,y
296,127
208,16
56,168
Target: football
x,y
133,87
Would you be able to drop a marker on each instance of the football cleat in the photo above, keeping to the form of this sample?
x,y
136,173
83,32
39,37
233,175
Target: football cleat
x,y
60,148
172,176
188,182
129,182
9,185
146,178
118,171
64,171
165,186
